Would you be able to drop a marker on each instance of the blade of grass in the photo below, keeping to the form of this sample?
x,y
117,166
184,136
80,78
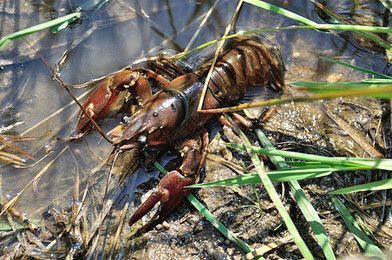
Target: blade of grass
x,y
218,225
377,81
283,175
250,32
216,55
36,178
229,36
304,204
341,27
210,217
39,27
309,24
253,178
381,164
275,176
11,158
286,175
4,226
345,64
331,87
303,248
336,18
365,242
387,4
14,147
376,185
282,11
369,90
303,164
337,87
301,19
86,6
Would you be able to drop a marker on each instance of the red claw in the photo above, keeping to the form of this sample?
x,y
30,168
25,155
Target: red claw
x,y
171,191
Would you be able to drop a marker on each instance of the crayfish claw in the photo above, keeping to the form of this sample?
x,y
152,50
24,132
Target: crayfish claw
x,y
171,191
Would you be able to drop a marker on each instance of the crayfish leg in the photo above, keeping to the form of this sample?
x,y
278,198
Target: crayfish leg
x,y
157,77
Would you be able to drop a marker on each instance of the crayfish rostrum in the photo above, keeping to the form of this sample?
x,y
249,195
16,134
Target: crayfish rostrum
x,y
169,116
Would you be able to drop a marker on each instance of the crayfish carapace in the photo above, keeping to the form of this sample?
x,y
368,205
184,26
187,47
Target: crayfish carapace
x,y
169,117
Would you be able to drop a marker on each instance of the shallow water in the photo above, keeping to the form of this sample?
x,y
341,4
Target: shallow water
x,y
110,38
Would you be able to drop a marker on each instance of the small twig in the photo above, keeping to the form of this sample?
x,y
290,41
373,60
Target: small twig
x,y
206,16
58,79
105,210
19,215
357,136
121,222
231,165
36,177
76,218
216,55
268,247
110,173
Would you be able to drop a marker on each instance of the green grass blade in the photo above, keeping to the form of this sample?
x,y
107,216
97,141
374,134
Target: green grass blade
x,y
229,36
5,226
303,248
304,204
377,185
210,217
38,27
369,163
218,225
253,178
345,64
304,20
361,29
304,164
283,175
282,11
338,19
250,32
336,88
86,6
384,90
365,242
354,28
323,86
377,81
247,179
377,39
387,4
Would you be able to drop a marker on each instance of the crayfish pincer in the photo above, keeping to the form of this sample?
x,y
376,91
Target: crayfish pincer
x,y
169,116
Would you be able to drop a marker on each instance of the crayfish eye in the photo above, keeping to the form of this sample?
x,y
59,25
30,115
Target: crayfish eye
x,y
125,120
142,139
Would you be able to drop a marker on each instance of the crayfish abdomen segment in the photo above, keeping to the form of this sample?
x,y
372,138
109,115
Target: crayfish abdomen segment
x,y
245,62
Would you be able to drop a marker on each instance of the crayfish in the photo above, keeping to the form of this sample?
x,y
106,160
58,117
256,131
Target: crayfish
x,y
169,116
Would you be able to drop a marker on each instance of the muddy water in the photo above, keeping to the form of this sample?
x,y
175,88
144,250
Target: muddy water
x,y
120,32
